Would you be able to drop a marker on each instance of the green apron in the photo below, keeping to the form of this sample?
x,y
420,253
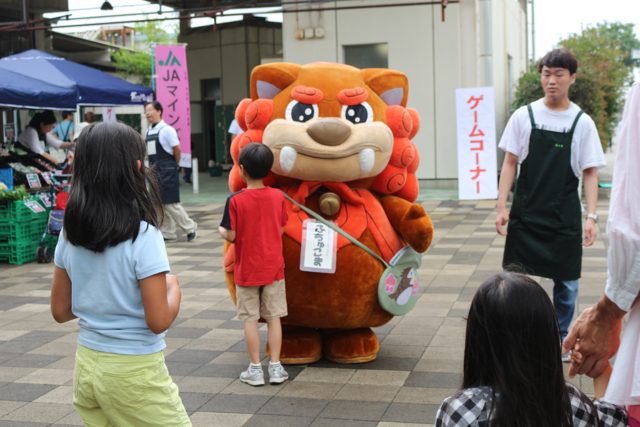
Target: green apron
x,y
545,224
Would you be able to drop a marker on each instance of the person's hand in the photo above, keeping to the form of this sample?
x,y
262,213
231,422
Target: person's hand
x,y
599,339
589,232
501,219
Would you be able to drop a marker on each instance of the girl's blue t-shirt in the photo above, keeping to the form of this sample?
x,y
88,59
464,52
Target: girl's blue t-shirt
x,y
106,293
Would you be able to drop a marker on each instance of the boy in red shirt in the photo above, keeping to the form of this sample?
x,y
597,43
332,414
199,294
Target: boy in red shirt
x,y
254,220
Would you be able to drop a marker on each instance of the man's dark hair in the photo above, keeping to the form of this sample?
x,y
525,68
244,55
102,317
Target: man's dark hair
x,y
87,115
109,195
256,159
559,58
66,114
156,105
46,118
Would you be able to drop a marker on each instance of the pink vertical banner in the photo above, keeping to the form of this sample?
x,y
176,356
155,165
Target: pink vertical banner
x,y
172,91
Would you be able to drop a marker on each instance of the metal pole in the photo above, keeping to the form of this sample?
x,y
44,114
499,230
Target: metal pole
x,y
153,67
194,175
533,30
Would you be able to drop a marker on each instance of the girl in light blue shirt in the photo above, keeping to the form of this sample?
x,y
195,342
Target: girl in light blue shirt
x,y
111,270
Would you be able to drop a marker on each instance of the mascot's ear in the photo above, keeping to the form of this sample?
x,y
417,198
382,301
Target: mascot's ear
x,y
270,79
391,86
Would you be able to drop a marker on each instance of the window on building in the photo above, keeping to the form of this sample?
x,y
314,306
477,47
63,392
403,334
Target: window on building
x,y
211,89
367,55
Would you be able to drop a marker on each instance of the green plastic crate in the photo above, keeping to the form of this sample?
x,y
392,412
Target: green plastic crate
x,y
19,253
22,231
51,241
17,211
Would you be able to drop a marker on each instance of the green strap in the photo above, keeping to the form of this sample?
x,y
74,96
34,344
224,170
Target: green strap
x,y
575,122
337,230
533,122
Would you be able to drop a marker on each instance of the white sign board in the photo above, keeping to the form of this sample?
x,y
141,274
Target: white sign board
x,y
477,165
108,114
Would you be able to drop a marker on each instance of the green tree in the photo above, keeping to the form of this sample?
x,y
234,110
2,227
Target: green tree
x,y
601,79
625,35
138,63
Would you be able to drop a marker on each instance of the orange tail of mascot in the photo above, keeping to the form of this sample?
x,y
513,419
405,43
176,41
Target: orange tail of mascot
x,y
341,139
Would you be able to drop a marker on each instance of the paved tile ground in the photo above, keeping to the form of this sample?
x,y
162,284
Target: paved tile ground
x,y
419,363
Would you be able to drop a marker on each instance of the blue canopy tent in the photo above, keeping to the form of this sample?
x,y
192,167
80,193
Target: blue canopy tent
x,y
35,79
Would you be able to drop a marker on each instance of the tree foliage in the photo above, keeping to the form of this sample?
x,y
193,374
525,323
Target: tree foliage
x,y
625,35
602,77
138,63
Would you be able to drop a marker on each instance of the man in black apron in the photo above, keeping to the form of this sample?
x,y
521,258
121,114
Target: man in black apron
x,y
554,142
163,149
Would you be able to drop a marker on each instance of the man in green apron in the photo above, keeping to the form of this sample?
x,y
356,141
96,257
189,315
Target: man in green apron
x,y
555,143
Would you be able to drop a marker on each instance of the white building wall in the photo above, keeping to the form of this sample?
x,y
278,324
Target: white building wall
x,y
437,57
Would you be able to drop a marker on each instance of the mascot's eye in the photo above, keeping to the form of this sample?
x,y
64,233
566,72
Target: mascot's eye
x,y
410,275
299,112
356,114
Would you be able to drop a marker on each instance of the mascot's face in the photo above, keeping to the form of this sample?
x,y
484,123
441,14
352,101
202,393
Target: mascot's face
x,y
329,122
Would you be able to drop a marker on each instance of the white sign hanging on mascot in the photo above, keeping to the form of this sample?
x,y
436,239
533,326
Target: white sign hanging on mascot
x,y
477,165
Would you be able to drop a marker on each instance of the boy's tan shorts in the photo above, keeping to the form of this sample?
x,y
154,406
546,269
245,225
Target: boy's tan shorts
x,y
269,301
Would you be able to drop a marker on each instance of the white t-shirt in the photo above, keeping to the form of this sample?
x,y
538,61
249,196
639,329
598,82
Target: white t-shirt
x,y
586,150
168,135
29,138
235,128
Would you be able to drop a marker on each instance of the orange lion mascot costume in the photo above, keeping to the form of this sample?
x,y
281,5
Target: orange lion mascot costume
x,y
341,139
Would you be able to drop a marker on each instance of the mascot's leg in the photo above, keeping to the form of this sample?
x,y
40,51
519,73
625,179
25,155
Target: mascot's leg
x,y
300,345
350,346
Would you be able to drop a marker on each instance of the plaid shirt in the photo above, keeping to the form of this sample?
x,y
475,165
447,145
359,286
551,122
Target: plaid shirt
x,y
470,408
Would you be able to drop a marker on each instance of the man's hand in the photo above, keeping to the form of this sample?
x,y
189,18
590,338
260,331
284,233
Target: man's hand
x,y
598,331
501,219
589,232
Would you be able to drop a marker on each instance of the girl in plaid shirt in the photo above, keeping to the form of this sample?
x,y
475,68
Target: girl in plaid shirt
x,y
512,375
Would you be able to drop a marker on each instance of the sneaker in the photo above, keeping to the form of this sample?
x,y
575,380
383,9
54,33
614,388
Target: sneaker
x,y
277,374
188,182
173,239
192,236
254,377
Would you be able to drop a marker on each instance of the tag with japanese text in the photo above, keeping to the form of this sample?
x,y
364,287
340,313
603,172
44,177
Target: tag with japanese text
x,y
47,177
34,206
33,180
46,199
319,247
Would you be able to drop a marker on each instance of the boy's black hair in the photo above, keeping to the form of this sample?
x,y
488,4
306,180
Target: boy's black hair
x,y
512,344
46,117
109,195
66,114
256,159
559,58
156,105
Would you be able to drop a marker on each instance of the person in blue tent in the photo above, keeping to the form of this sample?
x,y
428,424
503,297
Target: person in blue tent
x,y
38,132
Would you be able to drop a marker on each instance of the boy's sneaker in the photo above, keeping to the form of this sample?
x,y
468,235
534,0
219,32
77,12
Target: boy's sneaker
x,y
192,236
277,374
253,376
173,239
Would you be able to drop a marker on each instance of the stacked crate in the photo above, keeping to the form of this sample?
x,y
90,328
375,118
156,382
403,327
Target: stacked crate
x,y
20,231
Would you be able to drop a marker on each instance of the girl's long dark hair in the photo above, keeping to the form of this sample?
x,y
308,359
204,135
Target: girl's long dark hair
x,y
109,196
512,344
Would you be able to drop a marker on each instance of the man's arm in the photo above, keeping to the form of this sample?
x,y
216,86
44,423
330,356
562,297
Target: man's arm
x,y
598,329
591,194
228,235
177,153
507,175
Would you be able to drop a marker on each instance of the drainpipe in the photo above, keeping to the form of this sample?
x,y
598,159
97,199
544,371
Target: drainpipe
x,y
533,31
487,41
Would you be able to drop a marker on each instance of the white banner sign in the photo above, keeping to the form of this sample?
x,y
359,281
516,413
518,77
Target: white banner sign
x,y
477,165
108,114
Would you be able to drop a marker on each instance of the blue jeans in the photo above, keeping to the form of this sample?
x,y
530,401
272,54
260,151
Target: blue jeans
x,y
187,174
565,293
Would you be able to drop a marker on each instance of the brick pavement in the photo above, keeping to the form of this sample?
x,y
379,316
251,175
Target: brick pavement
x,y
419,362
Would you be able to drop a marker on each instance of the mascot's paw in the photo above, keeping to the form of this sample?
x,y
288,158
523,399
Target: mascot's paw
x,y
417,229
351,346
299,346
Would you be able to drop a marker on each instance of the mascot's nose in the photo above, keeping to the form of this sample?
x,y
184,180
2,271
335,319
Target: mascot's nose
x,y
329,131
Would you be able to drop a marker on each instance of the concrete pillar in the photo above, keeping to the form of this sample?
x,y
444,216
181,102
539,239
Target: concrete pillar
x,y
185,24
